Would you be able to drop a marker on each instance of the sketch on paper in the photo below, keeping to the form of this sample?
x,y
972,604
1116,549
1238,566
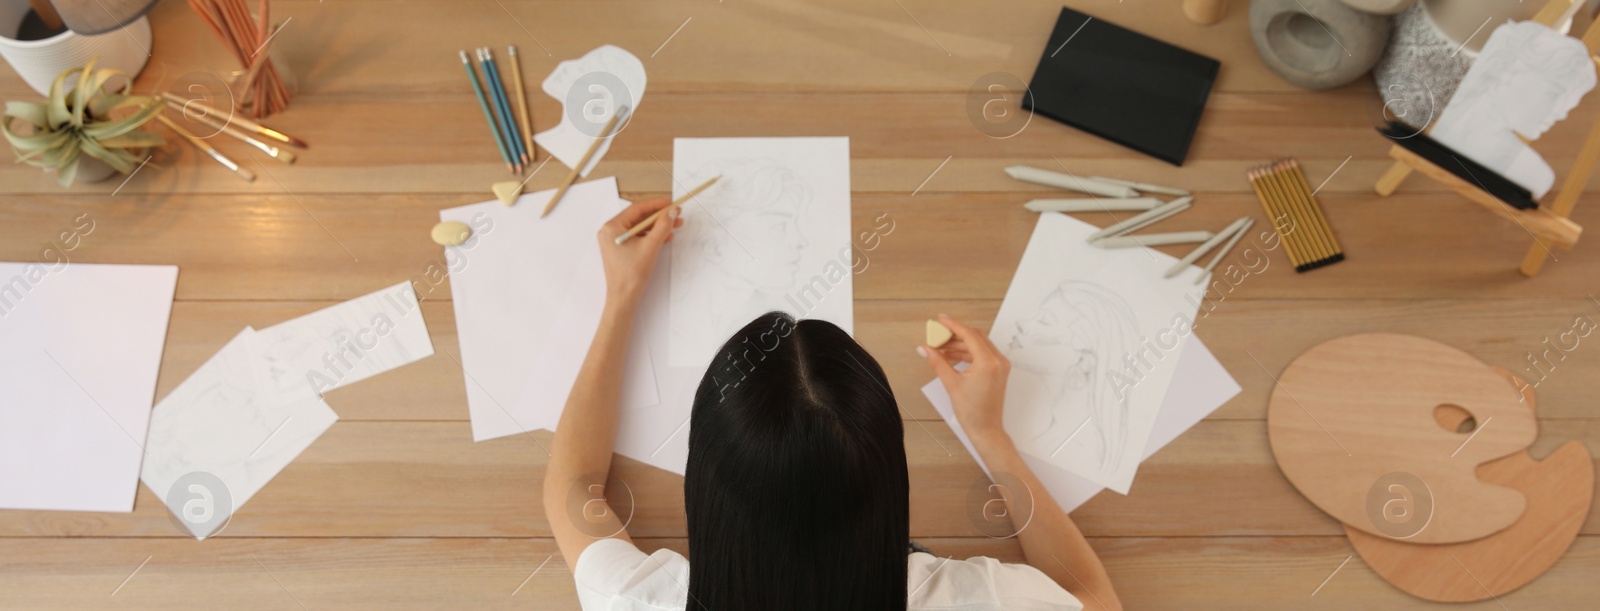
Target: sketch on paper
x,y
1093,336
1067,350
342,344
1526,78
224,421
772,233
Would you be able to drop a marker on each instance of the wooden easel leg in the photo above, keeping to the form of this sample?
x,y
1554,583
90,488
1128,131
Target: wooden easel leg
x,y
1391,179
1534,260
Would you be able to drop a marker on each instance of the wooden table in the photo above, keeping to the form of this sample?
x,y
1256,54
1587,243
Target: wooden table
x,y
396,508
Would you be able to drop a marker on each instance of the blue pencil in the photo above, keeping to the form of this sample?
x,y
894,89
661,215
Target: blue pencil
x,y
472,75
491,73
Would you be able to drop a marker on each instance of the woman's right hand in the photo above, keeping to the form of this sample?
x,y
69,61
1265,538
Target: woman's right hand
x,y
978,394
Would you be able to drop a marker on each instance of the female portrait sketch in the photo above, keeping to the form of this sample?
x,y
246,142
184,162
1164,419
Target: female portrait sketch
x,y
1526,79
1062,357
745,250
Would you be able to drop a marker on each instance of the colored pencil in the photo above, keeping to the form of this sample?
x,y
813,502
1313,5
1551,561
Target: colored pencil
x,y
577,168
650,220
508,123
522,103
483,104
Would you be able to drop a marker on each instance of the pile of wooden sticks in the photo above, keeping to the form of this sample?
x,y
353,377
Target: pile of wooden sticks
x,y
1295,214
263,93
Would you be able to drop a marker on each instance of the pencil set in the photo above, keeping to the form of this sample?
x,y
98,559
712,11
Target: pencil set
x,y
247,36
513,136
1295,214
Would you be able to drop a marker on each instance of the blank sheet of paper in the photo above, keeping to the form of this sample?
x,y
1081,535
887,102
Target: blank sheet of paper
x,y
510,283
80,349
772,234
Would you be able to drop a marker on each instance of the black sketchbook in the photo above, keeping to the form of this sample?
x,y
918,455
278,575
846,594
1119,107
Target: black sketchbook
x,y
1122,86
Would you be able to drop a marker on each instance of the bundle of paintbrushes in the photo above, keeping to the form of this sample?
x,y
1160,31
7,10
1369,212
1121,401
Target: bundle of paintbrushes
x,y
262,91
1295,214
209,121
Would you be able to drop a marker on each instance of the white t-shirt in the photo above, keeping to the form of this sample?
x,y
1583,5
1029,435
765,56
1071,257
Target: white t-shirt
x,y
613,575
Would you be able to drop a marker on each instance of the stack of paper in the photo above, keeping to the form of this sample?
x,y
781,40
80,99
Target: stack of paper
x,y
245,414
80,347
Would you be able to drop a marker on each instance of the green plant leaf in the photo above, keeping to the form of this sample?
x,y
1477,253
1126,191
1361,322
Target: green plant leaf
x,y
67,171
82,92
75,123
32,112
118,127
120,159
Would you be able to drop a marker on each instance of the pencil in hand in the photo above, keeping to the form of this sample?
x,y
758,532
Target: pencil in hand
x,y
650,220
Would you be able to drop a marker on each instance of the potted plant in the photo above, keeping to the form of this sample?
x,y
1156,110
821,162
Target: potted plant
x,y
76,133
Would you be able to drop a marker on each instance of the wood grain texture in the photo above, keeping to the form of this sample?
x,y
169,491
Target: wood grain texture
x,y
396,508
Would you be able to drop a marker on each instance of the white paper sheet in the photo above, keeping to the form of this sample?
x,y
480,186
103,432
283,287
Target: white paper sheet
x,y
590,89
1093,335
226,431
341,344
1199,387
510,283
80,349
655,434
772,234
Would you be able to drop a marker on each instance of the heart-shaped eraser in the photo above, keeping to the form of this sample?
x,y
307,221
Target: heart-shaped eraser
x,y
507,191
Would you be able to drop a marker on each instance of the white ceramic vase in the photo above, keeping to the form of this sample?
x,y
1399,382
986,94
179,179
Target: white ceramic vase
x,y
39,61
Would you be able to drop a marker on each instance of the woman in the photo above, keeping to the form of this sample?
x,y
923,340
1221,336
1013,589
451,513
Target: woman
x,y
796,489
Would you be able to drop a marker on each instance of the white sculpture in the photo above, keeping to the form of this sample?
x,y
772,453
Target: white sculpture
x,y
1526,79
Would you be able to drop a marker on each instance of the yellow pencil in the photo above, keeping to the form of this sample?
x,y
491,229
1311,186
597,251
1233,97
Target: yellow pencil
x,y
522,103
650,220
578,167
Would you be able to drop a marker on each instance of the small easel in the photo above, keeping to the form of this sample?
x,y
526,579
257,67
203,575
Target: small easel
x,y
1548,224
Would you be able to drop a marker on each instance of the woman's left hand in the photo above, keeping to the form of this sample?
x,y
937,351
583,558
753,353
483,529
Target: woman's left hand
x,y
628,265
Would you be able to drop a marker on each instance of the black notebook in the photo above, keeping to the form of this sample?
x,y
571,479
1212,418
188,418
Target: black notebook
x,y
1122,86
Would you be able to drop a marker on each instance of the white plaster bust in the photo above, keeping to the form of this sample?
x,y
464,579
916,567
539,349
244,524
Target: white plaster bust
x,y
1526,79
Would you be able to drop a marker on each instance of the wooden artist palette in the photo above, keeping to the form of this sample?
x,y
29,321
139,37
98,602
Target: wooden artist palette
x,y
1352,425
1558,489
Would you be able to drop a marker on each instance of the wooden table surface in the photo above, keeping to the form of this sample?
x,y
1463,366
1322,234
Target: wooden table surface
x,y
395,507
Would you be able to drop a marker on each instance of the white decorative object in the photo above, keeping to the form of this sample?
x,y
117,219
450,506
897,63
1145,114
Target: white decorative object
x,y
39,61
1526,79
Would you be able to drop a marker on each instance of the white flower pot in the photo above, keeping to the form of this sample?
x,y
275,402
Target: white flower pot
x,y
39,61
